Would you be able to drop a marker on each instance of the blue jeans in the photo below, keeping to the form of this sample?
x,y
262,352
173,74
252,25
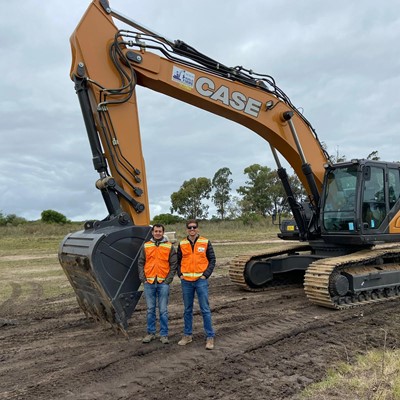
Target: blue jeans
x,y
152,292
200,287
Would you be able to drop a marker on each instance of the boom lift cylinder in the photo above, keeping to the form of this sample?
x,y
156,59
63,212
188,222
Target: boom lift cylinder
x,y
294,206
287,116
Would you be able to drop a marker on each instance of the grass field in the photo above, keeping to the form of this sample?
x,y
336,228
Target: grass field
x,y
37,238
29,261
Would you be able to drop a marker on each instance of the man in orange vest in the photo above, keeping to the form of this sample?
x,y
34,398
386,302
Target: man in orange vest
x,y
196,262
157,267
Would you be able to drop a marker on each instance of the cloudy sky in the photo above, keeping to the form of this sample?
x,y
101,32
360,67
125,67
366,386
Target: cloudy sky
x,y
337,61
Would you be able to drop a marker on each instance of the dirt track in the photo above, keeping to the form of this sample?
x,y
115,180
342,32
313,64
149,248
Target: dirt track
x,y
269,345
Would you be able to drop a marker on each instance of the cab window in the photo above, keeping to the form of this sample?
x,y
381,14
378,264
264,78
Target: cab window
x,y
393,186
374,199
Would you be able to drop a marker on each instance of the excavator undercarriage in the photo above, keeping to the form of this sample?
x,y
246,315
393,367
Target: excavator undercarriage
x,y
339,282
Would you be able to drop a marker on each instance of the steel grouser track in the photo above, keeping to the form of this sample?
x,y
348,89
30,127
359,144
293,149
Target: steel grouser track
x,y
372,262
237,265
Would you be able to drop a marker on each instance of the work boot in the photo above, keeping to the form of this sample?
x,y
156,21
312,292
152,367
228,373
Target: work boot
x,y
148,338
210,343
185,340
164,339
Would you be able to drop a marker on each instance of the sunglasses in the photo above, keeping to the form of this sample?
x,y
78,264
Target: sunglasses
x,y
192,227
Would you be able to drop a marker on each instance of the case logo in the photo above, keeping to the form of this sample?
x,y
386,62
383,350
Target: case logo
x,y
206,87
236,100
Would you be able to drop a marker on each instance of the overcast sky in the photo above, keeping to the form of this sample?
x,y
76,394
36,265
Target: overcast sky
x,y
337,61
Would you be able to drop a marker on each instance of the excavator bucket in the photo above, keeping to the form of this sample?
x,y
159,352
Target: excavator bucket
x,y
101,264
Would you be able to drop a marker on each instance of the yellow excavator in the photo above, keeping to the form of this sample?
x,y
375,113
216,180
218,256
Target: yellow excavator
x,y
345,240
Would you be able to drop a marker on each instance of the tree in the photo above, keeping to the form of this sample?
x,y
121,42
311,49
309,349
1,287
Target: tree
x,y
2,219
334,158
341,157
278,195
299,194
373,156
233,209
259,191
166,219
265,194
53,217
11,219
221,183
187,201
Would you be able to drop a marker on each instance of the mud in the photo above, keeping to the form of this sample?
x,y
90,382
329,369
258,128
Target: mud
x,y
269,345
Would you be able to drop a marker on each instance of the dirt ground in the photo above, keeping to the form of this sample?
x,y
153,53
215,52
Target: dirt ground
x,y
269,345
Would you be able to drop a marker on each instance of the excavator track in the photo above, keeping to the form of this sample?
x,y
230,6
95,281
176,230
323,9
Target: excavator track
x,y
372,262
237,265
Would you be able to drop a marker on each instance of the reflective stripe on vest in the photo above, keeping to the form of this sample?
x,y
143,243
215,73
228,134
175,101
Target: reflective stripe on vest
x,y
194,262
157,261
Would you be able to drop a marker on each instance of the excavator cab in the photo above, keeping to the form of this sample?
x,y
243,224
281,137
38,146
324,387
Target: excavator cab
x,y
360,202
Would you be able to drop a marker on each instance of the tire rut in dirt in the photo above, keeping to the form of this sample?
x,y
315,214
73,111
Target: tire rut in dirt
x,y
243,325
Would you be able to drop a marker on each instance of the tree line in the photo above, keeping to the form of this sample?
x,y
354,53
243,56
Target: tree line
x,y
262,194
47,216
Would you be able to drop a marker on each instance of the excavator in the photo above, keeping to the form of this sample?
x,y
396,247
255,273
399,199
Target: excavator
x,y
345,239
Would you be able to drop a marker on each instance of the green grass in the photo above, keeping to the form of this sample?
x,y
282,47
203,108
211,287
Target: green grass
x,y
33,238
38,229
29,263
32,279
29,267
229,230
374,376
15,245
231,250
215,231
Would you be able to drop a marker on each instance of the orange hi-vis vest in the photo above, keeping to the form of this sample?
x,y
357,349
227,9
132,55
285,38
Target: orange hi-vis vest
x,y
194,262
157,261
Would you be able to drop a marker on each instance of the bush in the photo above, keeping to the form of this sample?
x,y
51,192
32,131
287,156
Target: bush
x,y
11,219
53,217
250,218
14,220
166,219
